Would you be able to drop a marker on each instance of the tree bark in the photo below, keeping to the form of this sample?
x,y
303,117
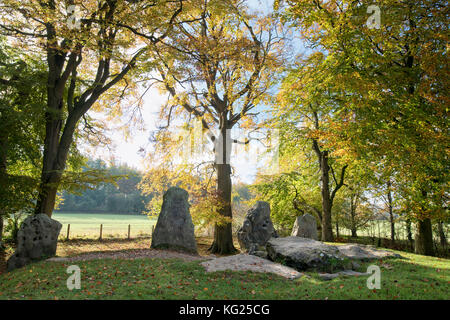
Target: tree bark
x,y
442,237
223,233
3,157
1,231
391,213
424,238
327,231
409,234
337,229
408,230
56,150
352,215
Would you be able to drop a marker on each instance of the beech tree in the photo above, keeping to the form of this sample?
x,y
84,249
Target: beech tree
x,y
307,103
22,92
218,69
86,57
392,73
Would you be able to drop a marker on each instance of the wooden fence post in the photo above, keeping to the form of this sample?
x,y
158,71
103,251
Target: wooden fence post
x,y
68,231
101,231
129,226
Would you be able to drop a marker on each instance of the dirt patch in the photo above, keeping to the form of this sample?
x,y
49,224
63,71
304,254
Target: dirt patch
x,y
131,254
89,249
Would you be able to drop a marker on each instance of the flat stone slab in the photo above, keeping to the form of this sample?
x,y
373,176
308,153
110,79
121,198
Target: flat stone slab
x,y
365,253
246,262
306,254
349,273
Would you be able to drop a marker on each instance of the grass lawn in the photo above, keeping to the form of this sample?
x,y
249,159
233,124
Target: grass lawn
x,y
416,277
87,225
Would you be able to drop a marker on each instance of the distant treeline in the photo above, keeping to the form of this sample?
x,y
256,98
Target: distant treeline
x,y
124,198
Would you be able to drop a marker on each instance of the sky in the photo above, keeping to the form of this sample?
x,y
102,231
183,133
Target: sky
x,y
127,150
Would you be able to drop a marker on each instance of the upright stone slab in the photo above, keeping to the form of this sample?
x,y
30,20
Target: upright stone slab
x,y
174,229
305,227
257,229
36,240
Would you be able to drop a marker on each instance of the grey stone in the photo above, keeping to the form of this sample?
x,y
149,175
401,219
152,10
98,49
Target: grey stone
x,y
362,252
348,273
36,240
257,228
246,262
328,276
355,265
174,228
260,253
306,254
305,226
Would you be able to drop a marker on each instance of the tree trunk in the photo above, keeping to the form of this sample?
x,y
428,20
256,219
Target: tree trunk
x,y
424,238
327,231
56,150
3,157
352,215
408,231
392,227
1,231
391,213
442,237
223,233
337,229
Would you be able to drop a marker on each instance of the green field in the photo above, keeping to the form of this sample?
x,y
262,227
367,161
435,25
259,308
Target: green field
x,y
87,225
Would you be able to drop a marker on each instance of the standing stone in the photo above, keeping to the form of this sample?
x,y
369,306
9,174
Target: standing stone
x,y
257,229
305,227
174,229
36,240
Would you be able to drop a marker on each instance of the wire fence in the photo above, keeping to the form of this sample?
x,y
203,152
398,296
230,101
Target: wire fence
x,y
105,231
382,229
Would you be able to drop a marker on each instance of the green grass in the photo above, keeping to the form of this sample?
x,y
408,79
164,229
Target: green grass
x,y
87,225
416,277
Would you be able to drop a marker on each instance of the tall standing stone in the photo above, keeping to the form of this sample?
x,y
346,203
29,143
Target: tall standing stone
x,y
257,228
174,229
36,240
305,227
